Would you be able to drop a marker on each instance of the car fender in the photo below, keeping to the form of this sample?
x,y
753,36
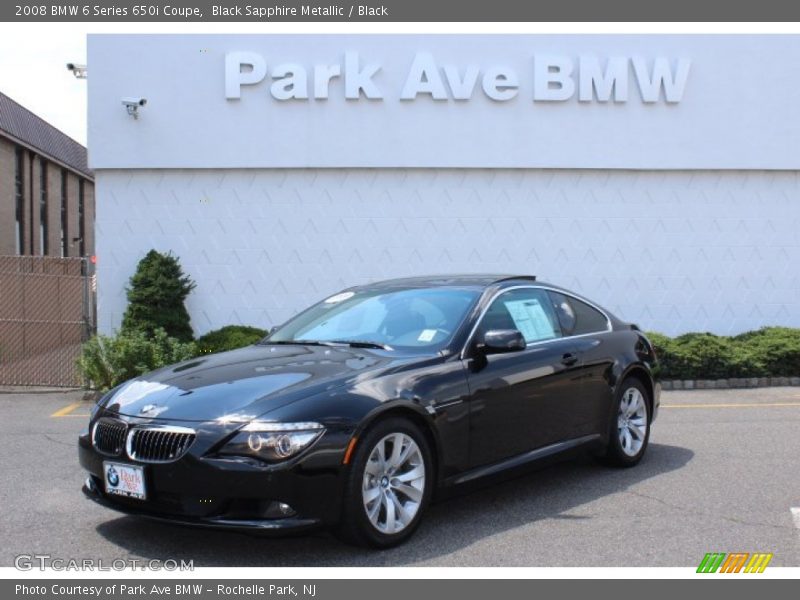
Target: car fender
x,y
410,408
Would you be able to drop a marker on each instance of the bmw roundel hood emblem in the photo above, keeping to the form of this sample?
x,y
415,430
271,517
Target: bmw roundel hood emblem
x,y
113,477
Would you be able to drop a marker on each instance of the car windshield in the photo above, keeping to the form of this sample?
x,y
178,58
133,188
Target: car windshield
x,y
410,318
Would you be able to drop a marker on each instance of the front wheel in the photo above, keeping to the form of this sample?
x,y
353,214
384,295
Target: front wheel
x,y
630,427
389,485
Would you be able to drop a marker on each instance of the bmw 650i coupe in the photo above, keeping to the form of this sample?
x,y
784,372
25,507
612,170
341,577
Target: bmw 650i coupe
x,y
355,412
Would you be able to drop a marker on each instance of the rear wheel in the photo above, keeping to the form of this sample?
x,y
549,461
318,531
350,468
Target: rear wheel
x,y
389,485
630,427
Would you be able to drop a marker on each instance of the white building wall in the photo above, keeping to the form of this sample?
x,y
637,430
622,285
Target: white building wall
x,y
674,251
736,109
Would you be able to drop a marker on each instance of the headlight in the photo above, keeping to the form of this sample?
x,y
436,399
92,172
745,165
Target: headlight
x,y
272,441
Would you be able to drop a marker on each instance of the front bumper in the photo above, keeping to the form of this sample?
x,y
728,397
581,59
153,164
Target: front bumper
x,y
282,526
228,493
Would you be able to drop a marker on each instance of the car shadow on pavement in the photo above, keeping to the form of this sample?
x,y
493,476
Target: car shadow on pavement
x,y
556,492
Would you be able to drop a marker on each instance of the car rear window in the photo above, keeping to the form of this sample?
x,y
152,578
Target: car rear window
x,y
576,317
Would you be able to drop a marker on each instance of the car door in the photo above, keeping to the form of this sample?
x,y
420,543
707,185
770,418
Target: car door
x,y
591,330
520,400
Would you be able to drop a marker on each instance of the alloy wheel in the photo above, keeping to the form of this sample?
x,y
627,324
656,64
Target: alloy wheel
x,y
394,483
632,421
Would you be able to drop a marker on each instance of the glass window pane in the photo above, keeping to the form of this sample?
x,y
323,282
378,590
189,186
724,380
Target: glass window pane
x,y
43,223
19,195
576,317
413,318
528,310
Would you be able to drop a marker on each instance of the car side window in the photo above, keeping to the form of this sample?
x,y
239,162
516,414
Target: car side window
x,y
528,310
576,317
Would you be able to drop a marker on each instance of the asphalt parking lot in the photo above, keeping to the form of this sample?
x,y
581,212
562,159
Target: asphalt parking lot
x,y
721,475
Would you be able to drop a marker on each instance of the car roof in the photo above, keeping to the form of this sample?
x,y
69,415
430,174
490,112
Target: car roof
x,y
477,280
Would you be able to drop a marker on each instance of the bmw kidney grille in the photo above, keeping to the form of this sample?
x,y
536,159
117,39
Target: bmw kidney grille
x,y
150,444
159,444
108,436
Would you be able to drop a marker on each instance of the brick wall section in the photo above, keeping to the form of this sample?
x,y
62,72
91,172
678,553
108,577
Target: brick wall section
x,y
7,200
32,212
89,212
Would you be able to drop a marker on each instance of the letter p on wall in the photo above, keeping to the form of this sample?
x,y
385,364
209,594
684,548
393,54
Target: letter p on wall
x,y
242,68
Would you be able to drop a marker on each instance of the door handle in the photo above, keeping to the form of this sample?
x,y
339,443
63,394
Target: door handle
x,y
569,359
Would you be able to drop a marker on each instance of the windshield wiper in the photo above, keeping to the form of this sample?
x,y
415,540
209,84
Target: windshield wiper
x,y
363,344
351,343
299,343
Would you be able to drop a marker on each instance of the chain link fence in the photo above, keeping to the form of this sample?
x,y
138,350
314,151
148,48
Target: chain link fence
x,y
47,311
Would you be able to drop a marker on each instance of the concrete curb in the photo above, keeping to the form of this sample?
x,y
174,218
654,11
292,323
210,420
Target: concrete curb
x,y
36,389
733,383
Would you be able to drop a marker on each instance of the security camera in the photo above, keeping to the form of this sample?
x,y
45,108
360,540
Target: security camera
x,y
79,71
132,105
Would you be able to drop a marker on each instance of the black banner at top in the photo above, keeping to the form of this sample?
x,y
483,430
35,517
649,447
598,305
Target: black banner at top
x,y
400,11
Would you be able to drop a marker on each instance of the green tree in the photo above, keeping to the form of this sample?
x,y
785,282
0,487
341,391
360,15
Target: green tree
x,y
156,295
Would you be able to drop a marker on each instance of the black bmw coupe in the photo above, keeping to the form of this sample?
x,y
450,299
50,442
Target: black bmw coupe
x,y
358,410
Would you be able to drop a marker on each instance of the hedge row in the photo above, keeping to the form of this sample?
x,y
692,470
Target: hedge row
x,y
767,352
229,337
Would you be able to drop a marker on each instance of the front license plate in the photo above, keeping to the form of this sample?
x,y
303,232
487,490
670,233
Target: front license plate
x,y
124,480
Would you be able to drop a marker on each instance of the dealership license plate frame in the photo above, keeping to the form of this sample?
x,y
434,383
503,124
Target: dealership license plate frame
x,y
139,493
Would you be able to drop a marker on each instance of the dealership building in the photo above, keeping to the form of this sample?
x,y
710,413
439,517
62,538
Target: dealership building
x,y
657,175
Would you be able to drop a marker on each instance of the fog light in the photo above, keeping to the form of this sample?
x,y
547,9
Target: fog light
x,y
277,510
285,509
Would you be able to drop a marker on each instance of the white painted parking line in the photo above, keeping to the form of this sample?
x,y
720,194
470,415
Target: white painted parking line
x,y
796,515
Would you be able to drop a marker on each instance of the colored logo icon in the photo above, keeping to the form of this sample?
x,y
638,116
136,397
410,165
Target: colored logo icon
x,y
736,562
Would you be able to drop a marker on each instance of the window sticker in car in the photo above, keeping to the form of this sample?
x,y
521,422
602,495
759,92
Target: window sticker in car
x,y
531,319
427,335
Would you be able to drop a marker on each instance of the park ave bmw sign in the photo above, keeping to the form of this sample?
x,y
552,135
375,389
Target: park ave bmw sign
x,y
555,78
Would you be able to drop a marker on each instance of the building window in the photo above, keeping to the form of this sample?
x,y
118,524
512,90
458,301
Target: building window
x,y
43,224
64,221
31,205
81,220
20,200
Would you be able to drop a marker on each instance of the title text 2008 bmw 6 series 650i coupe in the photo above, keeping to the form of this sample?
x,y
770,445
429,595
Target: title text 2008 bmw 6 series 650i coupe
x,y
352,414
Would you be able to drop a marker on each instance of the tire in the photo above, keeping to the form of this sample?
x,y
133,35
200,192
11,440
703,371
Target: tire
x,y
629,432
400,494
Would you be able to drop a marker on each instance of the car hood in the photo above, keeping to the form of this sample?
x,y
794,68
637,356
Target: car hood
x,y
240,385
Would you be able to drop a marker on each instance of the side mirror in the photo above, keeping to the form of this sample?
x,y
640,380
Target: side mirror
x,y
497,341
